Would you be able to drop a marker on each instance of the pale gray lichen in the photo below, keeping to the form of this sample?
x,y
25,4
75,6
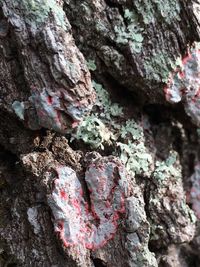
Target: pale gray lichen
x,y
132,36
32,214
137,238
136,157
37,11
18,107
91,65
166,198
167,169
53,109
107,125
134,153
93,132
167,10
158,66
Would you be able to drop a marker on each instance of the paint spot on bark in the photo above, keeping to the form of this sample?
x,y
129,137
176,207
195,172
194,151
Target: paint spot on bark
x,y
58,110
91,225
184,85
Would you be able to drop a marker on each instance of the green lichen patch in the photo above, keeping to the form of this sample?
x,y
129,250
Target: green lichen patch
x,y
131,34
169,215
169,9
167,169
134,153
97,128
135,157
158,67
107,125
36,12
18,107
148,11
128,31
198,132
165,9
91,65
93,132
106,107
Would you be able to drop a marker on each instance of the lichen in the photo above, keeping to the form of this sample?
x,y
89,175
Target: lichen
x,y
131,34
158,67
18,107
167,197
167,169
135,157
106,107
91,65
32,214
36,12
54,108
165,10
108,125
169,9
134,153
96,129
93,132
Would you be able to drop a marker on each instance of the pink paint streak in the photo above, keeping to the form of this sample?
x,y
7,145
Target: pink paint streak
x,y
184,85
63,195
91,226
182,77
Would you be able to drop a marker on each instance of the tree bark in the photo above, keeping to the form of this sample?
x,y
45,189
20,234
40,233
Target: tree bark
x,y
96,167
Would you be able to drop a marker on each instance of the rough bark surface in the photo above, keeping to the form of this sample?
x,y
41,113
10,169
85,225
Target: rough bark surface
x,y
96,167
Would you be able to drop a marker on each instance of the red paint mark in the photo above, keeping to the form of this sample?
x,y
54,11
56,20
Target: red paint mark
x,y
194,99
63,195
186,58
96,224
180,90
76,204
181,74
49,100
61,226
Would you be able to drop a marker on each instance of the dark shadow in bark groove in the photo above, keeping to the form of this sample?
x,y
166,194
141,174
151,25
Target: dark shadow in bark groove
x,y
98,263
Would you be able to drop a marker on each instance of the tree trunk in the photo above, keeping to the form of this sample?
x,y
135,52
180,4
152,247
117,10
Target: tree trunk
x,y
97,168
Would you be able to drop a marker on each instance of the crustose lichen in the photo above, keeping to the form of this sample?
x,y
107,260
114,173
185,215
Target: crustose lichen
x,y
107,125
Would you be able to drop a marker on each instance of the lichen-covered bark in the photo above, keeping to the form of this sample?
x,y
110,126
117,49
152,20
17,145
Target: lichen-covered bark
x,y
134,42
96,168
52,83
